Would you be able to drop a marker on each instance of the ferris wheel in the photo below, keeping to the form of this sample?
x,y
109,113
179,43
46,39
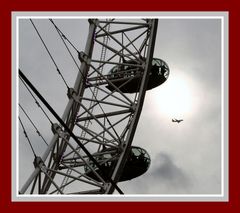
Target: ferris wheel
x,y
91,149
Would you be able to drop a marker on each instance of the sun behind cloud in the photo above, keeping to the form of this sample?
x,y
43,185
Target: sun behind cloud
x,y
176,98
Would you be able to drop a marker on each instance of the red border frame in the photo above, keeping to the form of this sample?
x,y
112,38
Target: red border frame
x,y
7,6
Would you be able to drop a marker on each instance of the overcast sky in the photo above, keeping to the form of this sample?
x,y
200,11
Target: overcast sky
x,y
185,157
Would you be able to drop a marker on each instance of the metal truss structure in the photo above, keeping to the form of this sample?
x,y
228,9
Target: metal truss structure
x,y
103,120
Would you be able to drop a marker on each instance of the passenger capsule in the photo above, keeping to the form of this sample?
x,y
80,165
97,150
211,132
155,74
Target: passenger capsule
x,y
127,77
137,164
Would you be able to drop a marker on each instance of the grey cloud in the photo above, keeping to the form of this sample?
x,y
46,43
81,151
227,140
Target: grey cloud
x,y
169,173
163,177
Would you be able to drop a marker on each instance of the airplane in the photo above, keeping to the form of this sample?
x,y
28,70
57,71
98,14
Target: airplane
x,y
176,120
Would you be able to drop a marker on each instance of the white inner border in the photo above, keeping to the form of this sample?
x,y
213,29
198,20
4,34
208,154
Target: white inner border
x,y
223,16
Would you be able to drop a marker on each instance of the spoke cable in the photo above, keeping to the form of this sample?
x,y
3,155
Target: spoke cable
x,y
63,38
37,131
38,104
26,135
44,44
63,35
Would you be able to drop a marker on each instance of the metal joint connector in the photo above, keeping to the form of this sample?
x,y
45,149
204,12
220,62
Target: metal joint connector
x,y
56,128
38,162
83,57
93,21
71,92
133,107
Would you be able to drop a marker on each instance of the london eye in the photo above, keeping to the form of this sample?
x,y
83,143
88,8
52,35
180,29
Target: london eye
x,y
91,148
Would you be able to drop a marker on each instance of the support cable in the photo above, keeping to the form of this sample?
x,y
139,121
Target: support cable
x,y
25,133
105,177
63,35
36,101
37,131
44,44
63,38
